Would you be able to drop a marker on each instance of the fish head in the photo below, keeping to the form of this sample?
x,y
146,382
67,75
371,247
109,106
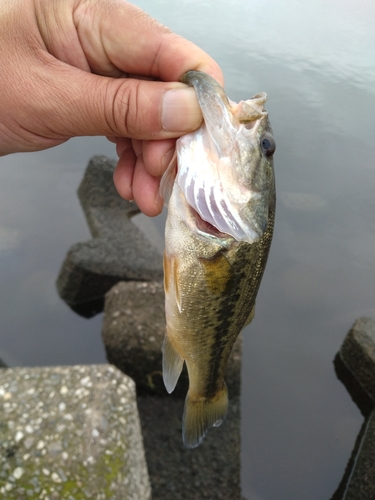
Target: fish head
x,y
225,168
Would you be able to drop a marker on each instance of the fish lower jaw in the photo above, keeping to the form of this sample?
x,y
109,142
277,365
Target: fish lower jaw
x,y
205,228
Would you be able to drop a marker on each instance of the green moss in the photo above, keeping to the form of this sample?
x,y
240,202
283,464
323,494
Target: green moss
x,y
104,476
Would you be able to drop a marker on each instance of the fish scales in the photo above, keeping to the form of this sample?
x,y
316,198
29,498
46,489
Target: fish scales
x,y
212,276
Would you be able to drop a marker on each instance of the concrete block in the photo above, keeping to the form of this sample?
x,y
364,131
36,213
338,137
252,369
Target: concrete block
x,y
70,433
361,484
358,353
211,471
133,331
118,250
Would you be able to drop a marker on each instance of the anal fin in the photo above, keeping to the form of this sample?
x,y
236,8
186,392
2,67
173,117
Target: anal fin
x,y
202,413
172,365
251,316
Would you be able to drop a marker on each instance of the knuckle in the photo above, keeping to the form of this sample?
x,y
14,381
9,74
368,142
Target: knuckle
x,y
126,114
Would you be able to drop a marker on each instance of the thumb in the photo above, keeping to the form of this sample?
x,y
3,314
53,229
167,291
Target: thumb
x,y
88,104
141,109
53,101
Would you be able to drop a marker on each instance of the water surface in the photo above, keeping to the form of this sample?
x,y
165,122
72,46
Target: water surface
x,y
316,62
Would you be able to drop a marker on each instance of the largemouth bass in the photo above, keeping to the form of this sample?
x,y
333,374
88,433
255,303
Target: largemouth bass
x,y
221,209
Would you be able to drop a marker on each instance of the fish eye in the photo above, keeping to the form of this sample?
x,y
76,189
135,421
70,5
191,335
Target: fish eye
x,y
268,145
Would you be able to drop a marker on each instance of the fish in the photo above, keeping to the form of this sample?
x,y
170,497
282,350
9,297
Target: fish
x,y
220,193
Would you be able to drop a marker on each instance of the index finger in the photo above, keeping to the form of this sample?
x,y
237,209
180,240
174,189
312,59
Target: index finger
x,y
121,35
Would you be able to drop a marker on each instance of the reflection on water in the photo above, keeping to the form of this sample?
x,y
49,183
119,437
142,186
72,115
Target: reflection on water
x,y
315,61
42,218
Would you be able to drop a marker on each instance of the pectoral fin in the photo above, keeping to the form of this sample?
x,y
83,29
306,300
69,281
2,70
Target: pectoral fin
x,y
171,279
167,181
172,365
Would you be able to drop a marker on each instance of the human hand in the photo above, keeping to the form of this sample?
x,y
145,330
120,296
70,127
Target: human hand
x,y
84,67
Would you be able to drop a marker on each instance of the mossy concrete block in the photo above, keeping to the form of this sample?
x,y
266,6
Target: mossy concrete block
x,y
70,433
133,332
358,354
118,251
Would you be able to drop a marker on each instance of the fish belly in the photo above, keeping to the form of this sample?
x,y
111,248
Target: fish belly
x,y
210,286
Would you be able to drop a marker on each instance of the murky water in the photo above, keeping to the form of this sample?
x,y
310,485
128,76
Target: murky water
x,y
316,62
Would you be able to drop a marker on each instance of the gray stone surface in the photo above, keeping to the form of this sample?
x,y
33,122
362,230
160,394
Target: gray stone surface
x,y
70,433
361,484
133,330
358,353
118,250
211,471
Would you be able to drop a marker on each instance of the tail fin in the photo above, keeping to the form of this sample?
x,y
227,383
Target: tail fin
x,y
202,413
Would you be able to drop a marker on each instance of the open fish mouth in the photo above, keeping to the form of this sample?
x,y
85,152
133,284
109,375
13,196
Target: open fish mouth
x,y
206,228
219,189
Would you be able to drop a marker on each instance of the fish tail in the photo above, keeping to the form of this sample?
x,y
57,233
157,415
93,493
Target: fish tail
x,y
202,413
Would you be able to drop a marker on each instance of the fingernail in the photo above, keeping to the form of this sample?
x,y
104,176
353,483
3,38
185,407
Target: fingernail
x,y
180,111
